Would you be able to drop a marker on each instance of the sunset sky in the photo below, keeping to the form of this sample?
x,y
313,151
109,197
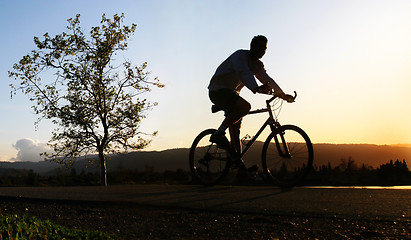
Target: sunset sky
x,y
349,61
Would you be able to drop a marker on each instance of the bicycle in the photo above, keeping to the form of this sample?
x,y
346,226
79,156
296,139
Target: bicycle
x,y
287,153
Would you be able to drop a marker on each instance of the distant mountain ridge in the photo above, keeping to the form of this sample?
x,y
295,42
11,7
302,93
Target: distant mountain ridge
x,y
172,159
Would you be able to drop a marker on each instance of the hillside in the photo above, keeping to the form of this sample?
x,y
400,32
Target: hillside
x,y
172,159
371,155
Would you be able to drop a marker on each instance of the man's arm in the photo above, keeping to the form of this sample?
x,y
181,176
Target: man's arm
x,y
239,61
266,80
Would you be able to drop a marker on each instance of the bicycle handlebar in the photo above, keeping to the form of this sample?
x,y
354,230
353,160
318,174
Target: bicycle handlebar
x,y
290,100
274,96
293,97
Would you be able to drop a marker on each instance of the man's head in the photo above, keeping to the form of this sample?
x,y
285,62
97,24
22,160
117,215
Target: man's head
x,y
258,46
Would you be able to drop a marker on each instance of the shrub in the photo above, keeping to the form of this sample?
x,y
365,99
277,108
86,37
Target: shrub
x,y
28,227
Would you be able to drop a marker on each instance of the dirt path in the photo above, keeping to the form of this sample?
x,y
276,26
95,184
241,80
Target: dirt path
x,y
131,221
222,212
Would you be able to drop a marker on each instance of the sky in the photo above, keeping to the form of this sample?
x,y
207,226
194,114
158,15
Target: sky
x,y
349,62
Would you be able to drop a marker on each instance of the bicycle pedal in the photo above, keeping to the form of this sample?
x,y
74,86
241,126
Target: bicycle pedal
x,y
237,164
253,169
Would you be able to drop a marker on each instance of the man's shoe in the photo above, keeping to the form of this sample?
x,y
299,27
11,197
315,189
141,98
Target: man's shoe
x,y
219,138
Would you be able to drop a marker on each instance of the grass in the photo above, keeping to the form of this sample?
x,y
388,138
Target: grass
x,y
29,227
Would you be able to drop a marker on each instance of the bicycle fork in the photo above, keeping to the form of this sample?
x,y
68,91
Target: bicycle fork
x,y
282,145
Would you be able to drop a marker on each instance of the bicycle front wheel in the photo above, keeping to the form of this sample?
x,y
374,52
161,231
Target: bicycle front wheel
x,y
287,156
208,163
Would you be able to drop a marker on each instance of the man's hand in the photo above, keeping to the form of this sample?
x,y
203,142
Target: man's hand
x,y
289,98
268,90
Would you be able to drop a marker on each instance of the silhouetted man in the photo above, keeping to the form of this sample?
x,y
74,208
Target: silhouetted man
x,y
237,71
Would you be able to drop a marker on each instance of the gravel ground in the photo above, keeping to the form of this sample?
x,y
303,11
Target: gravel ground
x,y
147,222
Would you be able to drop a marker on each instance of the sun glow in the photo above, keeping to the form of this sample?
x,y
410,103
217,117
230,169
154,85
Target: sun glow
x,y
349,62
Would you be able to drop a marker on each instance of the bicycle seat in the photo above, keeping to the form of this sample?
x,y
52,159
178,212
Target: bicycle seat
x,y
215,109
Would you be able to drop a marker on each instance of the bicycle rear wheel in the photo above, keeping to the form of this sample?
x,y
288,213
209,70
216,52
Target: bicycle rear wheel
x,y
287,156
208,163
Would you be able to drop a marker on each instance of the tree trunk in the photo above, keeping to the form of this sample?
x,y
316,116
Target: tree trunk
x,y
103,168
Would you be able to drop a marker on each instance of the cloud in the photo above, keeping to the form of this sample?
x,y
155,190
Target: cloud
x,y
29,150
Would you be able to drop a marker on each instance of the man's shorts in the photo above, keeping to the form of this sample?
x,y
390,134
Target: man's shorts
x,y
224,98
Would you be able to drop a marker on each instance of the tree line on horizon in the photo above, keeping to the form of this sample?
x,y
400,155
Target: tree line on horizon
x,y
347,173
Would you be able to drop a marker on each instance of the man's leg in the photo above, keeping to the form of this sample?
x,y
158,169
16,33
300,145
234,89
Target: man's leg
x,y
235,136
240,109
236,108
233,122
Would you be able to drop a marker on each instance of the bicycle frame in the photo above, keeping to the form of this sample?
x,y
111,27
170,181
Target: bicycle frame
x,y
274,126
285,164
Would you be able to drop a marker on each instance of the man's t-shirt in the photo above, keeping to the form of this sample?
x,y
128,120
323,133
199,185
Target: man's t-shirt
x,y
238,70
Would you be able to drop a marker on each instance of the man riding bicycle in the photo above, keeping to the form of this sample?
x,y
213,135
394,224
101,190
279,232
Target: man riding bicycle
x,y
237,71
